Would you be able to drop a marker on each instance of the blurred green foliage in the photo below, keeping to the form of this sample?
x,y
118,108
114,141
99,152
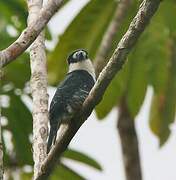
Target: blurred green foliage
x,y
152,62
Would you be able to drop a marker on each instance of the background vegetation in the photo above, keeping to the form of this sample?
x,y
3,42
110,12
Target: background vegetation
x,y
152,63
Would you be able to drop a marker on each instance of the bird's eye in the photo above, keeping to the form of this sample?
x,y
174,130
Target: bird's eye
x,y
75,55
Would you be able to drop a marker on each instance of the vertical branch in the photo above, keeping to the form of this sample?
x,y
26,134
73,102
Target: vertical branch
x,y
38,90
110,35
129,141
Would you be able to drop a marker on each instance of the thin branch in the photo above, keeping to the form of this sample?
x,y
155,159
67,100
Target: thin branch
x,y
30,33
137,26
39,90
106,44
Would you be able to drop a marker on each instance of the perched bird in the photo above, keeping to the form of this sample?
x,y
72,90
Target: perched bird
x,y
71,92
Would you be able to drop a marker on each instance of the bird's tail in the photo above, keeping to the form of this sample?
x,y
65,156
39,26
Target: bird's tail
x,y
53,134
51,139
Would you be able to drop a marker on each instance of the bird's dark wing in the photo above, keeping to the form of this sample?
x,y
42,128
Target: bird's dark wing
x,y
70,95
60,112
68,99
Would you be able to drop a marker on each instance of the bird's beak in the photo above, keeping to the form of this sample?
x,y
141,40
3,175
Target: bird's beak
x,y
80,56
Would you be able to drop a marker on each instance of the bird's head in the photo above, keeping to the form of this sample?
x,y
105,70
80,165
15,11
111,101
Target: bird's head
x,y
79,60
77,56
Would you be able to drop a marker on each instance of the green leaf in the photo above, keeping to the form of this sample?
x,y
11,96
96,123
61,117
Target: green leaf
x,y
79,156
113,94
137,87
84,32
137,77
168,9
26,176
17,72
20,124
117,87
6,40
2,24
15,13
6,158
48,35
15,9
164,104
148,64
65,173
158,51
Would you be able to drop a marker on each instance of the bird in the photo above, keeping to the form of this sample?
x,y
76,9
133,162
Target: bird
x,y
71,92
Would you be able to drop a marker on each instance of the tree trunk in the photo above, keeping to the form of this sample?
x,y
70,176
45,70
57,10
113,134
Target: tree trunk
x,y
38,90
129,143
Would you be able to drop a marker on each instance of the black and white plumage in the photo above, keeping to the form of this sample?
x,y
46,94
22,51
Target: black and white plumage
x,y
71,92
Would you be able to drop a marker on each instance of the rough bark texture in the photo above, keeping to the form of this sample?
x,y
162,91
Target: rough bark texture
x,y
61,144
30,33
129,143
39,90
106,44
137,26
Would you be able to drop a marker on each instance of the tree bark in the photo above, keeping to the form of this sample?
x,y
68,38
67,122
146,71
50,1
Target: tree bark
x,y
137,26
38,90
129,141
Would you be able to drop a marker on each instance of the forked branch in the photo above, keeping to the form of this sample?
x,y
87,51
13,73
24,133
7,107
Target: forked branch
x,y
38,90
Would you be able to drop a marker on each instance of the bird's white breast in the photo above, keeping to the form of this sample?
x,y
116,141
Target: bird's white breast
x,y
83,65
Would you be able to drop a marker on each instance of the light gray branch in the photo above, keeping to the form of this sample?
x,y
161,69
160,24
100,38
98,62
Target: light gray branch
x,y
137,26
39,90
30,33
